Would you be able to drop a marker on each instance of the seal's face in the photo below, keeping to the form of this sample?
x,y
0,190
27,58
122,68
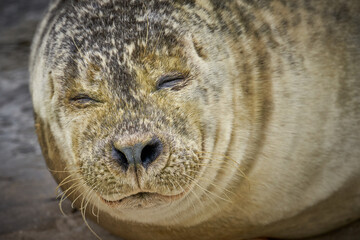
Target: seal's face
x,y
127,103
141,146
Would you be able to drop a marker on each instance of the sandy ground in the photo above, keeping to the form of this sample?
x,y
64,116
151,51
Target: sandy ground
x,y
28,207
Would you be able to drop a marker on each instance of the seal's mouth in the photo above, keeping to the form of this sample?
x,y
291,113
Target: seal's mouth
x,y
143,200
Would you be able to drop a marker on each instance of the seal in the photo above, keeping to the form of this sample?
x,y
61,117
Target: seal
x,y
202,119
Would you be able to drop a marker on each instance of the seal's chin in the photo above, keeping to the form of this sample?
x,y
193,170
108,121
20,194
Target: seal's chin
x,y
141,200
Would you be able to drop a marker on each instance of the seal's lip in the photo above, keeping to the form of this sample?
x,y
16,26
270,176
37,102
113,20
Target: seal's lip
x,y
145,197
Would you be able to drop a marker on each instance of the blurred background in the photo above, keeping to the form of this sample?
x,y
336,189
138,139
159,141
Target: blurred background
x,y
28,205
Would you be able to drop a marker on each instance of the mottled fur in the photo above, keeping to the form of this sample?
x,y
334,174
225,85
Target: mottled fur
x,y
262,135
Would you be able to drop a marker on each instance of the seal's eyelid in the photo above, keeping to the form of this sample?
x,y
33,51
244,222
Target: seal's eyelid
x,y
83,98
169,81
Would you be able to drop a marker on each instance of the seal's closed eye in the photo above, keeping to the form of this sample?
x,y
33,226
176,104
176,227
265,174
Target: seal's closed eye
x,y
83,99
169,81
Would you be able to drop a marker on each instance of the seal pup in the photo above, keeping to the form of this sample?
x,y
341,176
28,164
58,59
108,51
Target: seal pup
x,y
202,119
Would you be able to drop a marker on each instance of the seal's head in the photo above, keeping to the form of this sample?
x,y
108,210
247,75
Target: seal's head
x,y
150,113
125,91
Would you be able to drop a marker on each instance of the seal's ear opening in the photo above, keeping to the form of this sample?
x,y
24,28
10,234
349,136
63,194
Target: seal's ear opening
x,y
199,49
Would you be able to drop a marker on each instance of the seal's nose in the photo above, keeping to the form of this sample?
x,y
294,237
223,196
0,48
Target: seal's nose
x,y
139,153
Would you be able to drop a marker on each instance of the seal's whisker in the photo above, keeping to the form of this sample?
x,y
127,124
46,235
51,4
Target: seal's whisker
x,y
213,184
212,164
219,154
71,180
64,196
240,174
219,167
188,200
83,213
61,171
236,164
197,197
68,189
93,207
204,189
64,181
73,187
98,208
206,194
98,212
85,199
72,204
233,162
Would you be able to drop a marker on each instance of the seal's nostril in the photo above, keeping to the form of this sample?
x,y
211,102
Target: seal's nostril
x,y
142,154
120,157
151,151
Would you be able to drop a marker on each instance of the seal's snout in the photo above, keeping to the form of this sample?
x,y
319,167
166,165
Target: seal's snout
x,y
138,154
